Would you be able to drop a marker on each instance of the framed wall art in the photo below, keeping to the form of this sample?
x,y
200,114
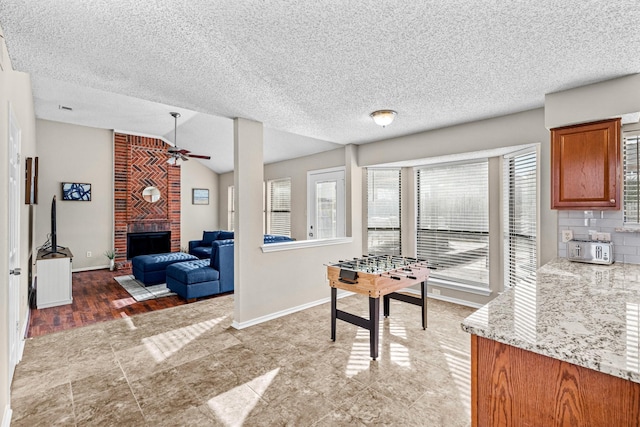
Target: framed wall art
x,y
31,181
200,196
76,191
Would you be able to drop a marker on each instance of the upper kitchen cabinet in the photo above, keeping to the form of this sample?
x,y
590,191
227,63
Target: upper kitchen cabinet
x,y
585,166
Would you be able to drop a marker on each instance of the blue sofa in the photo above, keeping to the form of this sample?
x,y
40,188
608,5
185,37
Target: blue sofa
x,y
202,248
204,277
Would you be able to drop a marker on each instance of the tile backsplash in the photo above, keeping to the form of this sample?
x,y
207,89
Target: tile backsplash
x,y
626,244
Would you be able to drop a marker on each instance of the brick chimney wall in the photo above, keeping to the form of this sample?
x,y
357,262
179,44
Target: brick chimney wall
x,y
141,162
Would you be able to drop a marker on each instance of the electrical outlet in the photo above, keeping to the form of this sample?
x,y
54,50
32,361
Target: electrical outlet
x,y
89,254
435,291
567,235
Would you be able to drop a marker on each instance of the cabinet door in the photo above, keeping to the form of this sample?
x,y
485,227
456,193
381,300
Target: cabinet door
x,y
585,166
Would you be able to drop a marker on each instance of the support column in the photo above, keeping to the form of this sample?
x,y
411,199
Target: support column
x,y
247,181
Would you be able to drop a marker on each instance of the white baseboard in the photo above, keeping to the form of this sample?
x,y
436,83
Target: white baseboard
x,y
341,294
445,298
25,331
6,418
98,267
266,318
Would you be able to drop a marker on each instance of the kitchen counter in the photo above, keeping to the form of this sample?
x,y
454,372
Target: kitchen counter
x,y
584,314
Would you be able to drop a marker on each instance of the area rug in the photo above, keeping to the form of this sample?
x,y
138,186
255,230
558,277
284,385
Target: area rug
x,y
140,292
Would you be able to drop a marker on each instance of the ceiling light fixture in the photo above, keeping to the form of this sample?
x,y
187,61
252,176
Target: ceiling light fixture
x,y
383,117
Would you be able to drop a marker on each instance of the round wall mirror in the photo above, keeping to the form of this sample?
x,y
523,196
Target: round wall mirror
x,y
151,194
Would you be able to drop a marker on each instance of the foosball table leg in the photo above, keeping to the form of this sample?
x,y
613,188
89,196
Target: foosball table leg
x,y
333,313
374,323
385,305
423,295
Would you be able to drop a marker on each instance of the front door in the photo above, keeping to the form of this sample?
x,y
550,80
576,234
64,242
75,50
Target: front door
x,y
326,204
14,240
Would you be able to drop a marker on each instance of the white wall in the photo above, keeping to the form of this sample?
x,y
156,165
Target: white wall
x,y
15,88
71,153
195,219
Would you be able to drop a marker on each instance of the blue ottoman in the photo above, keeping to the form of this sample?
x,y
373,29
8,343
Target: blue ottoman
x,y
151,269
193,279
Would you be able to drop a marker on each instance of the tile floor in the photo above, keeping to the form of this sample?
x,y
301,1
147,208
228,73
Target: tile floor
x,y
186,366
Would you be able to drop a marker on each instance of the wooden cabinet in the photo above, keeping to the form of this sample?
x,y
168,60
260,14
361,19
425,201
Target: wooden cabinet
x,y
585,166
515,387
53,285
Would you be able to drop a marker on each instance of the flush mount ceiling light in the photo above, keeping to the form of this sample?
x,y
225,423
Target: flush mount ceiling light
x,y
383,117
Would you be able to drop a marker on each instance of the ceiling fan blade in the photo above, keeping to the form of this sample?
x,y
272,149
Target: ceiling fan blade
x,y
199,156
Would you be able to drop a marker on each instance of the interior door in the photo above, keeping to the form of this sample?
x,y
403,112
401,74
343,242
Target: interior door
x,y
14,240
326,204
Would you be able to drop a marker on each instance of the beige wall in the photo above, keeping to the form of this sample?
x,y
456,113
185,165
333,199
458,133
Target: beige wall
x,y
70,153
268,283
594,102
15,88
195,219
295,169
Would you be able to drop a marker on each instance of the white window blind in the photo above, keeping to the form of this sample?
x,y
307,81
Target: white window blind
x,y
231,199
453,221
279,214
631,184
383,211
520,213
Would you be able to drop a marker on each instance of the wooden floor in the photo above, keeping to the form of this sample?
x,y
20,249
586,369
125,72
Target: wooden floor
x,y
97,297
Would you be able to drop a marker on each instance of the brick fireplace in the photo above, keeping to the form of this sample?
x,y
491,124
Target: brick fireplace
x,y
141,162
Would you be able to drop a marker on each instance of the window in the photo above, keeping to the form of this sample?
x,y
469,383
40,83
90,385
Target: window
x,y
231,199
631,190
520,224
453,221
383,211
279,203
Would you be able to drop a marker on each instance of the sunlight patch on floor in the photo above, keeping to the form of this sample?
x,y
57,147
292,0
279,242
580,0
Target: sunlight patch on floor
x,y
399,355
129,321
459,363
172,341
233,406
123,302
359,358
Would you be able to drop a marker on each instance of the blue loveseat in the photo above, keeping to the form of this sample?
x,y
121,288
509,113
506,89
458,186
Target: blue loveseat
x,y
202,248
210,276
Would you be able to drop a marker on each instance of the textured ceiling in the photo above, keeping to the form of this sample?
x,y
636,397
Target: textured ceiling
x,y
310,68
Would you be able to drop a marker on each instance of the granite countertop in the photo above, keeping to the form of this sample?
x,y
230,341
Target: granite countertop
x,y
584,314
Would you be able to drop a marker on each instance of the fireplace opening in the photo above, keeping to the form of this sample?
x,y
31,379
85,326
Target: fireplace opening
x,y
156,242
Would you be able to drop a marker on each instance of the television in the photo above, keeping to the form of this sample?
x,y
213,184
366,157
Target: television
x,y
53,239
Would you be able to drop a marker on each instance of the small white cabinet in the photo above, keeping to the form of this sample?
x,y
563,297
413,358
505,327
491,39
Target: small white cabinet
x,y
53,286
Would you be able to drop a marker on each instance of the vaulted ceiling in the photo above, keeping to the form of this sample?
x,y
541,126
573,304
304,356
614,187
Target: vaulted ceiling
x,y
311,71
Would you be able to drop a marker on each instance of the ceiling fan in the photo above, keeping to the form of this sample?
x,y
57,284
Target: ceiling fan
x,y
176,154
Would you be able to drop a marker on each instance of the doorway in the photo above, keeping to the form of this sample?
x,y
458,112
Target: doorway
x,y
15,135
326,203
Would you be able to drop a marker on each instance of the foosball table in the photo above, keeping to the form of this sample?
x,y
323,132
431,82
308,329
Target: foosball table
x,y
376,276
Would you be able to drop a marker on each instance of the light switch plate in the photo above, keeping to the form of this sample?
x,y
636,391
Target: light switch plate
x,y
567,235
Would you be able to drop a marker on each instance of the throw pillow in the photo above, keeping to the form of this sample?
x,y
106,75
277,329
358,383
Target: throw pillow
x,y
224,235
209,236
